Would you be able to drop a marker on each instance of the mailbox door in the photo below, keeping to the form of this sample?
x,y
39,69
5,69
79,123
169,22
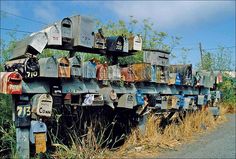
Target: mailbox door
x,y
135,43
42,104
76,70
99,41
127,101
11,83
127,74
48,67
66,30
102,72
53,34
89,70
142,72
63,67
115,43
114,72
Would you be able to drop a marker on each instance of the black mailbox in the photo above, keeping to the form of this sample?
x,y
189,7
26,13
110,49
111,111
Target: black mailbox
x,y
115,43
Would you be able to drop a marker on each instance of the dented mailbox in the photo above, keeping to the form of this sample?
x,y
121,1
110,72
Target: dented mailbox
x,y
89,69
11,83
48,67
53,33
127,101
63,67
142,72
42,105
156,57
27,67
76,69
32,45
135,43
127,74
102,72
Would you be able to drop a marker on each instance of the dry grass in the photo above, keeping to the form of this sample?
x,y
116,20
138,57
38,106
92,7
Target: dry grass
x,y
228,107
153,140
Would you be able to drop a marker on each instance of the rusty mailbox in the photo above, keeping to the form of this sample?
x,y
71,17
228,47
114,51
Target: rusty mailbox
x,y
142,72
102,71
63,67
115,43
76,69
48,67
27,67
183,71
53,33
99,40
33,44
83,31
162,74
10,83
38,136
156,57
127,74
66,30
42,105
135,43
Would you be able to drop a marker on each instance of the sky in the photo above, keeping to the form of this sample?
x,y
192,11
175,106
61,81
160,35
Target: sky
x,y
210,22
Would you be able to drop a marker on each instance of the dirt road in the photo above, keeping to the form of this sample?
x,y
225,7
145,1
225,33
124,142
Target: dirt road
x,y
219,143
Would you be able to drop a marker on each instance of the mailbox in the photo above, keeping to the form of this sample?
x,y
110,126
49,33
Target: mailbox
x,y
135,43
127,101
53,33
23,112
183,72
115,43
38,136
93,100
114,73
72,99
27,67
102,72
156,57
42,105
99,40
32,45
162,74
89,69
63,67
154,73
126,45
66,30
82,31
200,99
56,92
48,67
73,86
139,98
76,69
127,74
109,96
11,83
142,72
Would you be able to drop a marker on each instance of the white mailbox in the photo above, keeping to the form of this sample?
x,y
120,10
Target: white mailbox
x,y
42,104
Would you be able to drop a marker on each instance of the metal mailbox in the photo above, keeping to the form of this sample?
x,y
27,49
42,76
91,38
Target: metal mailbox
x,y
135,43
162,74
76,66
102,71
66,30
99,40
142,72
115,43
127,74
154,73
35,86
42,105
126,45
109,96
23,113
184,72
93,100
53,33
89,69
114,73
38,135
73,86
127,101
72,99
82,31
10,83
200,99
156,57
32,45
63,67
48,67
27,67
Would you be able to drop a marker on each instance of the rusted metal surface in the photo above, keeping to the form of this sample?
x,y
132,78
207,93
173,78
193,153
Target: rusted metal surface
x,y
63,67
184,72
11,83
162,74
142,72
102,71
127,74
127,101
155,57
135,43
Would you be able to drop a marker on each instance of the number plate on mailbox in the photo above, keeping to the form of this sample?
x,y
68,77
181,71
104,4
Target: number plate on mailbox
x,y
23,113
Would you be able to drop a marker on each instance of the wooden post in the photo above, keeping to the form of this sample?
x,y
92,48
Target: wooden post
x,y
22,143
200,47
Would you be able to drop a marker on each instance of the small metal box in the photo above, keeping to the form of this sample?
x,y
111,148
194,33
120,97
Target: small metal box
x,y
135,43
76,69
48,67
11,83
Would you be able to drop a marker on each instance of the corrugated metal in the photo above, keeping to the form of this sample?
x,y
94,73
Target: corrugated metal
x,y
102,72
89,70
142,72
127,74
114,73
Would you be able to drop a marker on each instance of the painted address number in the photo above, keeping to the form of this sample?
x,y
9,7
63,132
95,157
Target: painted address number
x,y
23,110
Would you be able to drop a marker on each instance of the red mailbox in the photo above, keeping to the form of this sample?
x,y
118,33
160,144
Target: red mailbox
x,y
10,83
102,71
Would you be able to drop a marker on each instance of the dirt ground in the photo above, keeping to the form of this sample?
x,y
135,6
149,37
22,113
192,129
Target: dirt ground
x,y
219,143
